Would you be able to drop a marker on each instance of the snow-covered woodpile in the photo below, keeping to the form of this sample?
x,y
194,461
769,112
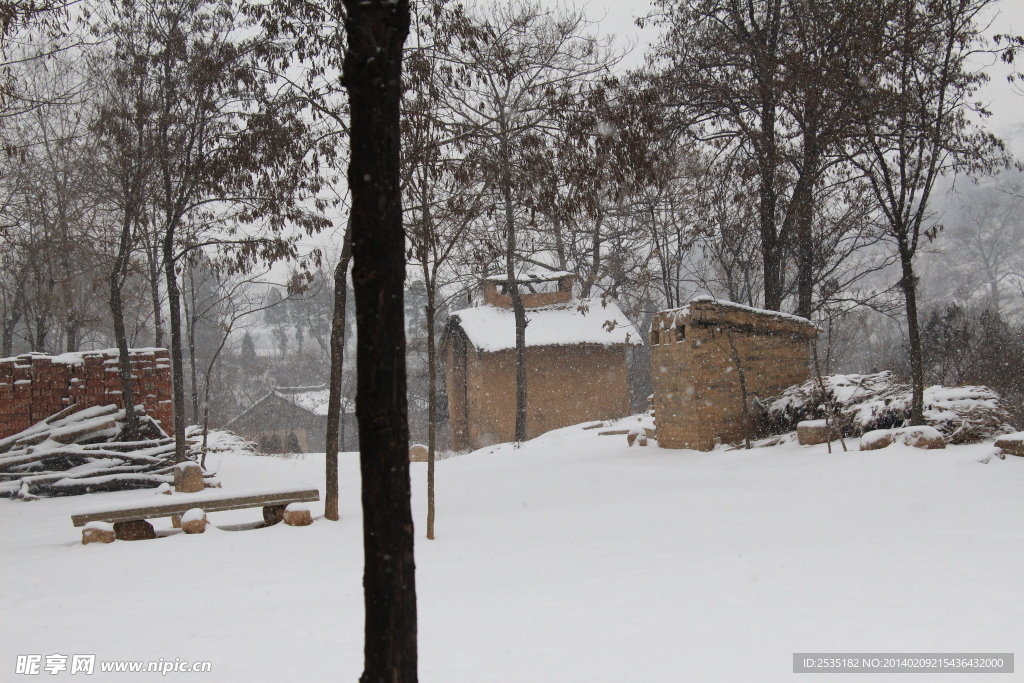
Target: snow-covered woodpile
x,y
708,356
864,403
35,386
80,450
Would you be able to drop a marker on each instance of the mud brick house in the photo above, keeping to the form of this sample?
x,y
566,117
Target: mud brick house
x,y
34,386
700,352
294,420
575,361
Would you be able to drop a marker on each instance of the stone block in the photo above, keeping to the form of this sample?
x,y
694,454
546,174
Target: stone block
x,y
272,514
297,514
811,432
922,437
418,453
98,532
135,530
188,477
1012,444
918,437
876,439
194,521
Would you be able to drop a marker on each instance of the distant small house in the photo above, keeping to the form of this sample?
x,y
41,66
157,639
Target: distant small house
x,y
575,361
294,420
707,355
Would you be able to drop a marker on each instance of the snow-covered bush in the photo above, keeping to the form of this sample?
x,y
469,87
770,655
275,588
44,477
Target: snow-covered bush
x,y
966,414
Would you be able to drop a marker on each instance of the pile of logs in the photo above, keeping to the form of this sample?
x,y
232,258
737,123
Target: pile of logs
x,y
80,451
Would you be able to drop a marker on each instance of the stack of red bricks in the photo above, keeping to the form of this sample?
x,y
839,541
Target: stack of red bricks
x,y
34,386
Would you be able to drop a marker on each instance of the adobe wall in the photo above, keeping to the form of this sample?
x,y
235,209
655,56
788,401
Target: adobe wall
x,y
34,386
565,385
694,353
530,299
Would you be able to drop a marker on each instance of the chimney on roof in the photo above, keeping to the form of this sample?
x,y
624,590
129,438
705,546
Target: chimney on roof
x,y
536,289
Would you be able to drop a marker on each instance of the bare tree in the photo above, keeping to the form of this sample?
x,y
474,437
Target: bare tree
x,y
227,153
517,65
916,125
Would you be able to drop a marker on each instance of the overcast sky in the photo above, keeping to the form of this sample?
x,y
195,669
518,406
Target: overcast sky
x,y
618,17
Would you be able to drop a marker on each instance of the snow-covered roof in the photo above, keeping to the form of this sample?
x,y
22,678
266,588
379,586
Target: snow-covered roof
x,y
313,399
580,321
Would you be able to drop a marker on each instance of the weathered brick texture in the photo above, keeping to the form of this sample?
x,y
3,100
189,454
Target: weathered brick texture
x,y
566,385
34,386
697,353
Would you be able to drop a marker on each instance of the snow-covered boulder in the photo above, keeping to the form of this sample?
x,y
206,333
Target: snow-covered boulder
x,y
811,432
918,437
418,453
194,521
1012,443
297,514
98,532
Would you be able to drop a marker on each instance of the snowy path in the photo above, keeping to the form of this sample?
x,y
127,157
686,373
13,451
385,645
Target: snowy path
x,y
574,558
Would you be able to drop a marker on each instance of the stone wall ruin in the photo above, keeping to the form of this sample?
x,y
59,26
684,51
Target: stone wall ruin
x,y
699,353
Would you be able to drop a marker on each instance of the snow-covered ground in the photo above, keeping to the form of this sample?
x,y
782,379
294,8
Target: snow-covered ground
x,y
574,558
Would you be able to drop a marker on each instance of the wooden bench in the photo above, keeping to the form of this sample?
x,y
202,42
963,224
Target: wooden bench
x,y
129,517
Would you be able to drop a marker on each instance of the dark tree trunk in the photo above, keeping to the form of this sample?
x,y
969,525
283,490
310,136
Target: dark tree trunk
x,y
334,416
177,366
595,258
518,310
190,325
771,244
124,362
152,256
908,283
741,373
42,329
803,207
10,324
430,284
431,405
764,47
71,331
376,30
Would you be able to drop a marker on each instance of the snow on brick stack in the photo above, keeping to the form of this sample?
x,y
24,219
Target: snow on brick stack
x,y
698,354
34,386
